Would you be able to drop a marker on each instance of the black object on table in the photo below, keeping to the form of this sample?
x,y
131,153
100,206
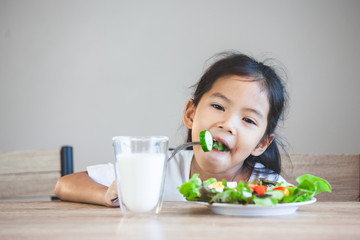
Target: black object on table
x,y
67,166
66,160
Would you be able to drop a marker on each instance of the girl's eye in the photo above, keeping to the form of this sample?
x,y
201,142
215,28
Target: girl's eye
x,y
218,107
248,120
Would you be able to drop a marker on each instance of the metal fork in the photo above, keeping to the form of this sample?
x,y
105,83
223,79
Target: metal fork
x,y
181,147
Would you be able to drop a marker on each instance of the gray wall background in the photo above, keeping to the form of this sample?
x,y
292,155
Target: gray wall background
x,y
80,72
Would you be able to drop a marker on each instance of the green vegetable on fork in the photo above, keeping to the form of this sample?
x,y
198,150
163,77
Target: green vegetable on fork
x,y
208,143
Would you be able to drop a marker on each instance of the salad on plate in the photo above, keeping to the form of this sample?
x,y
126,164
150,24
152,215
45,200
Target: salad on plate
x,y
261,192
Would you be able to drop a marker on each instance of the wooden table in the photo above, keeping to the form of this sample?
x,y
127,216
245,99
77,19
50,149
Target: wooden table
x,y
177,220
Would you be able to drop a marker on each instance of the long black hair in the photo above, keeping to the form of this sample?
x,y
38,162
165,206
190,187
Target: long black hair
x,y
234,63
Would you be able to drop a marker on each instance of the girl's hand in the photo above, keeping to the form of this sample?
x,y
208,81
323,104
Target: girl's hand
x,y
111,194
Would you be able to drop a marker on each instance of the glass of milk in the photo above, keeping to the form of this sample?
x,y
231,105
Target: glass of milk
x,y
140,167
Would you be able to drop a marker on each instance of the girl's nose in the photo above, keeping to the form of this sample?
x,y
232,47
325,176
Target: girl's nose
x,y
228,125
228,130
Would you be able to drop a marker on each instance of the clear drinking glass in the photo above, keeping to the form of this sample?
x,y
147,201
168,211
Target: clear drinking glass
x,y
140,167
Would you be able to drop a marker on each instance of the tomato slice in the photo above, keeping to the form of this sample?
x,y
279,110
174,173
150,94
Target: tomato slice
x,y
284,189
259,189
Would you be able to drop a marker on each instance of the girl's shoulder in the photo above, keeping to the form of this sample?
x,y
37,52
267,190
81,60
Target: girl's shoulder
x,y
181,162
178,171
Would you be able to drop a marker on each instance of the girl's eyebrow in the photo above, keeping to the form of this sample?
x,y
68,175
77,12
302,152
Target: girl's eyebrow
x,y
258,113
219,95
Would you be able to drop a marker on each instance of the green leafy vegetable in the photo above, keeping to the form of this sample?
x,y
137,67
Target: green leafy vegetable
x,y
321,185
213,191
220,146
191,189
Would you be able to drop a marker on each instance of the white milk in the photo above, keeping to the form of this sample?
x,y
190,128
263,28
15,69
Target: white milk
x,y
140,177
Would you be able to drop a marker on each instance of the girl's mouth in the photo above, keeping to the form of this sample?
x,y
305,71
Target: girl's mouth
x,y
220,146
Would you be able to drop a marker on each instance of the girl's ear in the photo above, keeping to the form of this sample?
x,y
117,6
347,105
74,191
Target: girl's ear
x,y
263,145
189,114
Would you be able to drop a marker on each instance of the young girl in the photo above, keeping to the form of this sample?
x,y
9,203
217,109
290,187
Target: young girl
x,y
240,101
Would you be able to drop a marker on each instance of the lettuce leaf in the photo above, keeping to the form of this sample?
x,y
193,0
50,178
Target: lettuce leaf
x,y
191,189
318,184
309,186
265,202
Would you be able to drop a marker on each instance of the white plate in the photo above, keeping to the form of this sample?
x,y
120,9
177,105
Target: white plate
x,y
254,210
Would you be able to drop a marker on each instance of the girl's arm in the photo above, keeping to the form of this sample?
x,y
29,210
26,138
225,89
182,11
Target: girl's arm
x,y
79,187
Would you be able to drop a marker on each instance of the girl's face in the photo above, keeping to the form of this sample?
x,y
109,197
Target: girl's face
x,y
235,111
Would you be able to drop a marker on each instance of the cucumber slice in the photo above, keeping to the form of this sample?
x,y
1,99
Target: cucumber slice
x,y
206,140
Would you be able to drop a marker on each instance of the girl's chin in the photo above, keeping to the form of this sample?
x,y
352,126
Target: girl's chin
x,y
217,158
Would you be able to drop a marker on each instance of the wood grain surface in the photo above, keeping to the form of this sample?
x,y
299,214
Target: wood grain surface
x,y
177,220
